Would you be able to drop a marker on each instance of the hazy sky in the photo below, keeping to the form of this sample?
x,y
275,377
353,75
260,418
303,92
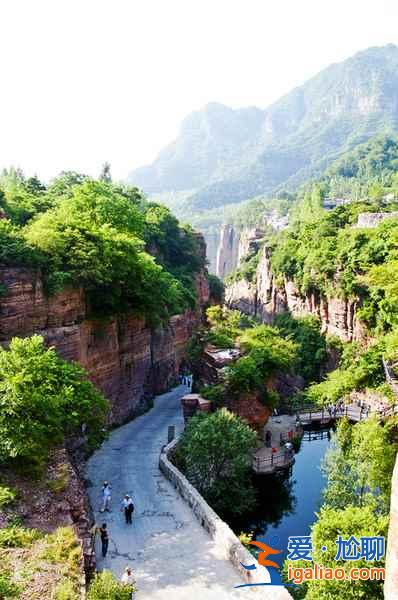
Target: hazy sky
x,y
84,81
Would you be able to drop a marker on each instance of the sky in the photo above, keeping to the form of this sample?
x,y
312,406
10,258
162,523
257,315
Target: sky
x,y
89,81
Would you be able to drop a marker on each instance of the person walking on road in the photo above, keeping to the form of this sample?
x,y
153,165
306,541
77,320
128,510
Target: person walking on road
x,y
106,497
128,579
104,539
128,507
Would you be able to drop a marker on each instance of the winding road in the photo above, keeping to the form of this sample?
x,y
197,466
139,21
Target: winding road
x,y
171,555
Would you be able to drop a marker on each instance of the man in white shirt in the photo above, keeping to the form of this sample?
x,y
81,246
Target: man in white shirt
x,y
128,507
128,579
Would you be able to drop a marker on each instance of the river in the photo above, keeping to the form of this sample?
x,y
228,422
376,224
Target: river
x,y
287,502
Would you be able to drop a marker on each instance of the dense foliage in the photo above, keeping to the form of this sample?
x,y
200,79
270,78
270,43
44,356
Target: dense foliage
x,y
358,467
214,454
43,398
306,333
359,369
325,255
264,351
106,587
128,254
368,171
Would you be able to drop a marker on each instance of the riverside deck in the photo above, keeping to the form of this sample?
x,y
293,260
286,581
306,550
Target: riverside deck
x,y
266,462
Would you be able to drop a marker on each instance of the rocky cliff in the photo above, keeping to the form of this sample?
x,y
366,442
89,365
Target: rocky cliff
x,y
267,297
124,358
234,244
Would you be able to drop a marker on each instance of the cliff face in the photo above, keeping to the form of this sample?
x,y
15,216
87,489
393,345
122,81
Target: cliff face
x,y
228,251
267,297
234,245
125,359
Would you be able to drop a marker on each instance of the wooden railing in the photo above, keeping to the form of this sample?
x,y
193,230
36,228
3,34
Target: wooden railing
x,y
269,464
351,412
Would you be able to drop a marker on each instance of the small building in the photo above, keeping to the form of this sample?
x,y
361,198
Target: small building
x,y
193,403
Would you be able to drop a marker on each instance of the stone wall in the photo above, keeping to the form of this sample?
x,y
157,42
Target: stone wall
x,y
228,545
125,359
391,582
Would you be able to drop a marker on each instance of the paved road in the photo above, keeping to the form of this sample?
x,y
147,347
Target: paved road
x,y
172,556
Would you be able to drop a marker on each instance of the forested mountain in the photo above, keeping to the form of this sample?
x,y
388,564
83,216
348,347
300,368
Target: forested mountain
x,y
224,156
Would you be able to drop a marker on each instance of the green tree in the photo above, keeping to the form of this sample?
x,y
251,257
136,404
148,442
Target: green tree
x,y
43,398
306,332
266,353
94,238
359,465
216,288
214,453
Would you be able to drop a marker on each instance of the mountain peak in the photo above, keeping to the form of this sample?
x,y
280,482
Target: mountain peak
x,y
227,155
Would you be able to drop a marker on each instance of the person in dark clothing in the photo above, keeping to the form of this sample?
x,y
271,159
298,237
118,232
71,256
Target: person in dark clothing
x,y
128,507
104,539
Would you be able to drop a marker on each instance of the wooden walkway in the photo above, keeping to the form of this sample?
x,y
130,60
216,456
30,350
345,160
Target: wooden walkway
x,y
273,462
313,415
266,465
352,412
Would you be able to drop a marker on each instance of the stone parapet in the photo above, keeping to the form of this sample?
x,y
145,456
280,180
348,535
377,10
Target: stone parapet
x,y
228,545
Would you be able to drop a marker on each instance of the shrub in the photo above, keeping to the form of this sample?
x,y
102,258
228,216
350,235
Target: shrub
x,y
7,496
43,397
63,547
8,589
106,587
215,393
18,537
66,590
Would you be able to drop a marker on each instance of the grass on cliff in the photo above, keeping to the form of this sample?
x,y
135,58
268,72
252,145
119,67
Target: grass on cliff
x,y
39,566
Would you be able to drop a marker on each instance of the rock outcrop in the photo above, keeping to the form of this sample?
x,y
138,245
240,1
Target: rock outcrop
x,y
124,358
268,297
369,220
228,251
234,245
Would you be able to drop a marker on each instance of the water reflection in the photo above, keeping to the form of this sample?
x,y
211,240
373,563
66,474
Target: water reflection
x,y
288,501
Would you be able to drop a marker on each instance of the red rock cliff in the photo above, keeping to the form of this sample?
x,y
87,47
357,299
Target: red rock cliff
x,y
125,359
267,297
